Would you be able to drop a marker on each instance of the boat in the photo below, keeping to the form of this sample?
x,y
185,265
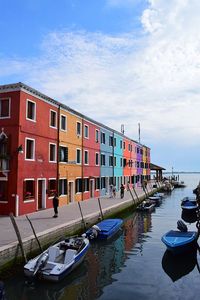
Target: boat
x,y
189,203
147,206
104,229
189,216
178,184
179,241
161,195
156,199
58,260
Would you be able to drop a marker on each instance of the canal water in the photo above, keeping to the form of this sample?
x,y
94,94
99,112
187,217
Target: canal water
x,y
133,265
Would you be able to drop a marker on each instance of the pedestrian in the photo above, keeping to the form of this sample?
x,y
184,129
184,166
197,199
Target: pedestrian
x,y
111,191
114,191
122,191
55,205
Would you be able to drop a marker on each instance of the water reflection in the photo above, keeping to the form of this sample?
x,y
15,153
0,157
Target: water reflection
x,y
189,216
177,266
103,260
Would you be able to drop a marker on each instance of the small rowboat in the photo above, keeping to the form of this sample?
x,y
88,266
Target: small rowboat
x,y
104,229
147,206
58,260
178,241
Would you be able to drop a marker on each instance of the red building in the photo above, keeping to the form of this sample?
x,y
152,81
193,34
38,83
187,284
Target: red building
x,y
28,149
91,159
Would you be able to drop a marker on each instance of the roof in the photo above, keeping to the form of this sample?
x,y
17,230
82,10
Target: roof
x,y
155,167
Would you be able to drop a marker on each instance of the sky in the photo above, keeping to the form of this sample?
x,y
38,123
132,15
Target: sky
x,y
116,61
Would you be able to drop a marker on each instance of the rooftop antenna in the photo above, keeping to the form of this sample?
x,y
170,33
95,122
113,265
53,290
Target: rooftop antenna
x,y
122,128
139,131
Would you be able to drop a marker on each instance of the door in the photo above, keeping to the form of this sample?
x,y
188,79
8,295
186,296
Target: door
x,y
41,194
91,188
40,188
71,191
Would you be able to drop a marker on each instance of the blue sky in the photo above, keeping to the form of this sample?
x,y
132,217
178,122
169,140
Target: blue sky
x,y
138,60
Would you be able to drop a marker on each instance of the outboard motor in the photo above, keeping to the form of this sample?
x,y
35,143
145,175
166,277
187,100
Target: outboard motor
x,y
181,226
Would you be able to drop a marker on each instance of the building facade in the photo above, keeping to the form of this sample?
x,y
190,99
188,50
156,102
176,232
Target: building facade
x,y
47,147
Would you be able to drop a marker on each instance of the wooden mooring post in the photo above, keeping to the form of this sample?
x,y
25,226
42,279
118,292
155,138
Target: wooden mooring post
x,y
35,234
100,209
79,205
18,236
138,200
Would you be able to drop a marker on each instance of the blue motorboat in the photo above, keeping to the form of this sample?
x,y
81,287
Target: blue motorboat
x,y
104,229
146,206
179,241
189,203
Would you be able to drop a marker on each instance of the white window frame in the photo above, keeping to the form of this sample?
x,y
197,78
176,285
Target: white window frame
x,y
97,134
97,153
55,127
32,120
65,123
78,134
78,163
6,98
63,178
33,140
53,161
86,163
86,137
103,134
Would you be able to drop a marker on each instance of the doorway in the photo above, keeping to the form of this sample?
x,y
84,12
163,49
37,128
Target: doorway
x,y
71,191
91,188
41,203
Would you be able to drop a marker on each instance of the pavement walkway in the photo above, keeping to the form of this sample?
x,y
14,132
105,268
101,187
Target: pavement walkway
x,y
43,220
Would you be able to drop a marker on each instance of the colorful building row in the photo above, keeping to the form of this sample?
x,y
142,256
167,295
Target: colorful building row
x,y
45,146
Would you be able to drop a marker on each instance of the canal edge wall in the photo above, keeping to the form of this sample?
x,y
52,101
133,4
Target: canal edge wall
x,y
11,254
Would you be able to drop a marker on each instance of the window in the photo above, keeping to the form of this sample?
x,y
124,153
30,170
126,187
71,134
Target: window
x,y
5,108
121,144
125,162
78,156
111,141
53,118
63,122
96,159
103,160
78,185
97,136
97,183
124,145
31,110
115,161
52,187
121,162
62,186
110,161
30,149
103,182
78,128
86,131
29,189
52,152
86,157
129,147
63,154
115,142
103,138
86,184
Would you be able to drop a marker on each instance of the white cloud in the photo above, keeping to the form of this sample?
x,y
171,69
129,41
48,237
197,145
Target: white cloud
x,y
153,80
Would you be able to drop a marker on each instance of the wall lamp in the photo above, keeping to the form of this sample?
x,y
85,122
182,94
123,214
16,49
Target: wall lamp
x,y
20,149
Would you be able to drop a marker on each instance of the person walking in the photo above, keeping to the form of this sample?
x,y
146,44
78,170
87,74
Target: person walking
x,y
111,191
114,191
55,205
122,191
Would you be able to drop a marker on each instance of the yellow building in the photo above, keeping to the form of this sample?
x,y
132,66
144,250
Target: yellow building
x,y
70,156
